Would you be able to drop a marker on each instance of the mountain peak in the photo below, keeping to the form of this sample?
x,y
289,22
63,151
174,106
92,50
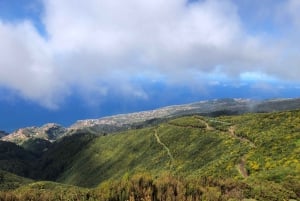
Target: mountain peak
x,y
50,131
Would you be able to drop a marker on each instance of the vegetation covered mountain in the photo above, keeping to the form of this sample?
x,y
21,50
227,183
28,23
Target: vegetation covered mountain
x,y
61,155
16,159
123,122
205,108
36,146
250,156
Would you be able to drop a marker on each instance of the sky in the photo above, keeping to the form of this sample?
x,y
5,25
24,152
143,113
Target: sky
x,y
64,60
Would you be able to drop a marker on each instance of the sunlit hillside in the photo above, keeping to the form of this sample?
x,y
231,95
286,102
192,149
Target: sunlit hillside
x,y
254,156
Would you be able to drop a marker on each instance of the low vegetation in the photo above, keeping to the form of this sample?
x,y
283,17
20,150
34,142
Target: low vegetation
x,y
250,156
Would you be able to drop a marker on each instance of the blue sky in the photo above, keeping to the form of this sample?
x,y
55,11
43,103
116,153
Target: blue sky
x,y
64,60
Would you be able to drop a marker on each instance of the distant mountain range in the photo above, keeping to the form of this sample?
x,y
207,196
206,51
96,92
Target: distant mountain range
x,y
122,122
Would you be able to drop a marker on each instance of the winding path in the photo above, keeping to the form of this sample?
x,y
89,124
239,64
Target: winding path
x,y
241,166
165,147
208,127
231,131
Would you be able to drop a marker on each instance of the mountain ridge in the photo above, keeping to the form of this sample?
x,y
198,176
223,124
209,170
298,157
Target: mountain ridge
x,y
122,122
209,107
253,156
49,132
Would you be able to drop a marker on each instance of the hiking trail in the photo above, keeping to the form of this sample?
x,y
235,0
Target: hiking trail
x,y
242,169
164,146
231,131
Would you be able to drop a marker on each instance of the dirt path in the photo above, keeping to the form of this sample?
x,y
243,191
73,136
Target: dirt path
x,y
241,166
242,169
208,127
165,147
231,131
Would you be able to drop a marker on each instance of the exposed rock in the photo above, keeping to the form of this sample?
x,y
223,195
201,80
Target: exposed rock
x,y
49,132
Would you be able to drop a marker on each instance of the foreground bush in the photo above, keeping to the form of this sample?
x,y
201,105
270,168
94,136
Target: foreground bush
x,y
143,187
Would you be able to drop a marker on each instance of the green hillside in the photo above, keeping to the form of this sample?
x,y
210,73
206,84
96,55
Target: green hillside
x,y
10,181
254,156
36,146
16,159
247,146
61,155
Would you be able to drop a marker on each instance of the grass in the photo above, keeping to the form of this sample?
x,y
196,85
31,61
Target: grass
x,y
9,181
213,151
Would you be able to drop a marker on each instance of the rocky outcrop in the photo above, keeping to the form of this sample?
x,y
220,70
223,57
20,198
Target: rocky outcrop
x,y
49,132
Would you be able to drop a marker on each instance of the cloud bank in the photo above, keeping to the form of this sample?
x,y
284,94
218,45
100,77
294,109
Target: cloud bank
x,y
97,46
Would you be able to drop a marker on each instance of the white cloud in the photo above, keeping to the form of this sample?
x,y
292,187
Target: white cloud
x,y
168,37
101,45
26,64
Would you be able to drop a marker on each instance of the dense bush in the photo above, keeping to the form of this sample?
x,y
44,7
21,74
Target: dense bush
x,y
143,187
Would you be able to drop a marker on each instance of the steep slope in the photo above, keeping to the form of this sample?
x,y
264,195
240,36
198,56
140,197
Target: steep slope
x,y
16,159
36,146
188,158
61,154
39,159
251,147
